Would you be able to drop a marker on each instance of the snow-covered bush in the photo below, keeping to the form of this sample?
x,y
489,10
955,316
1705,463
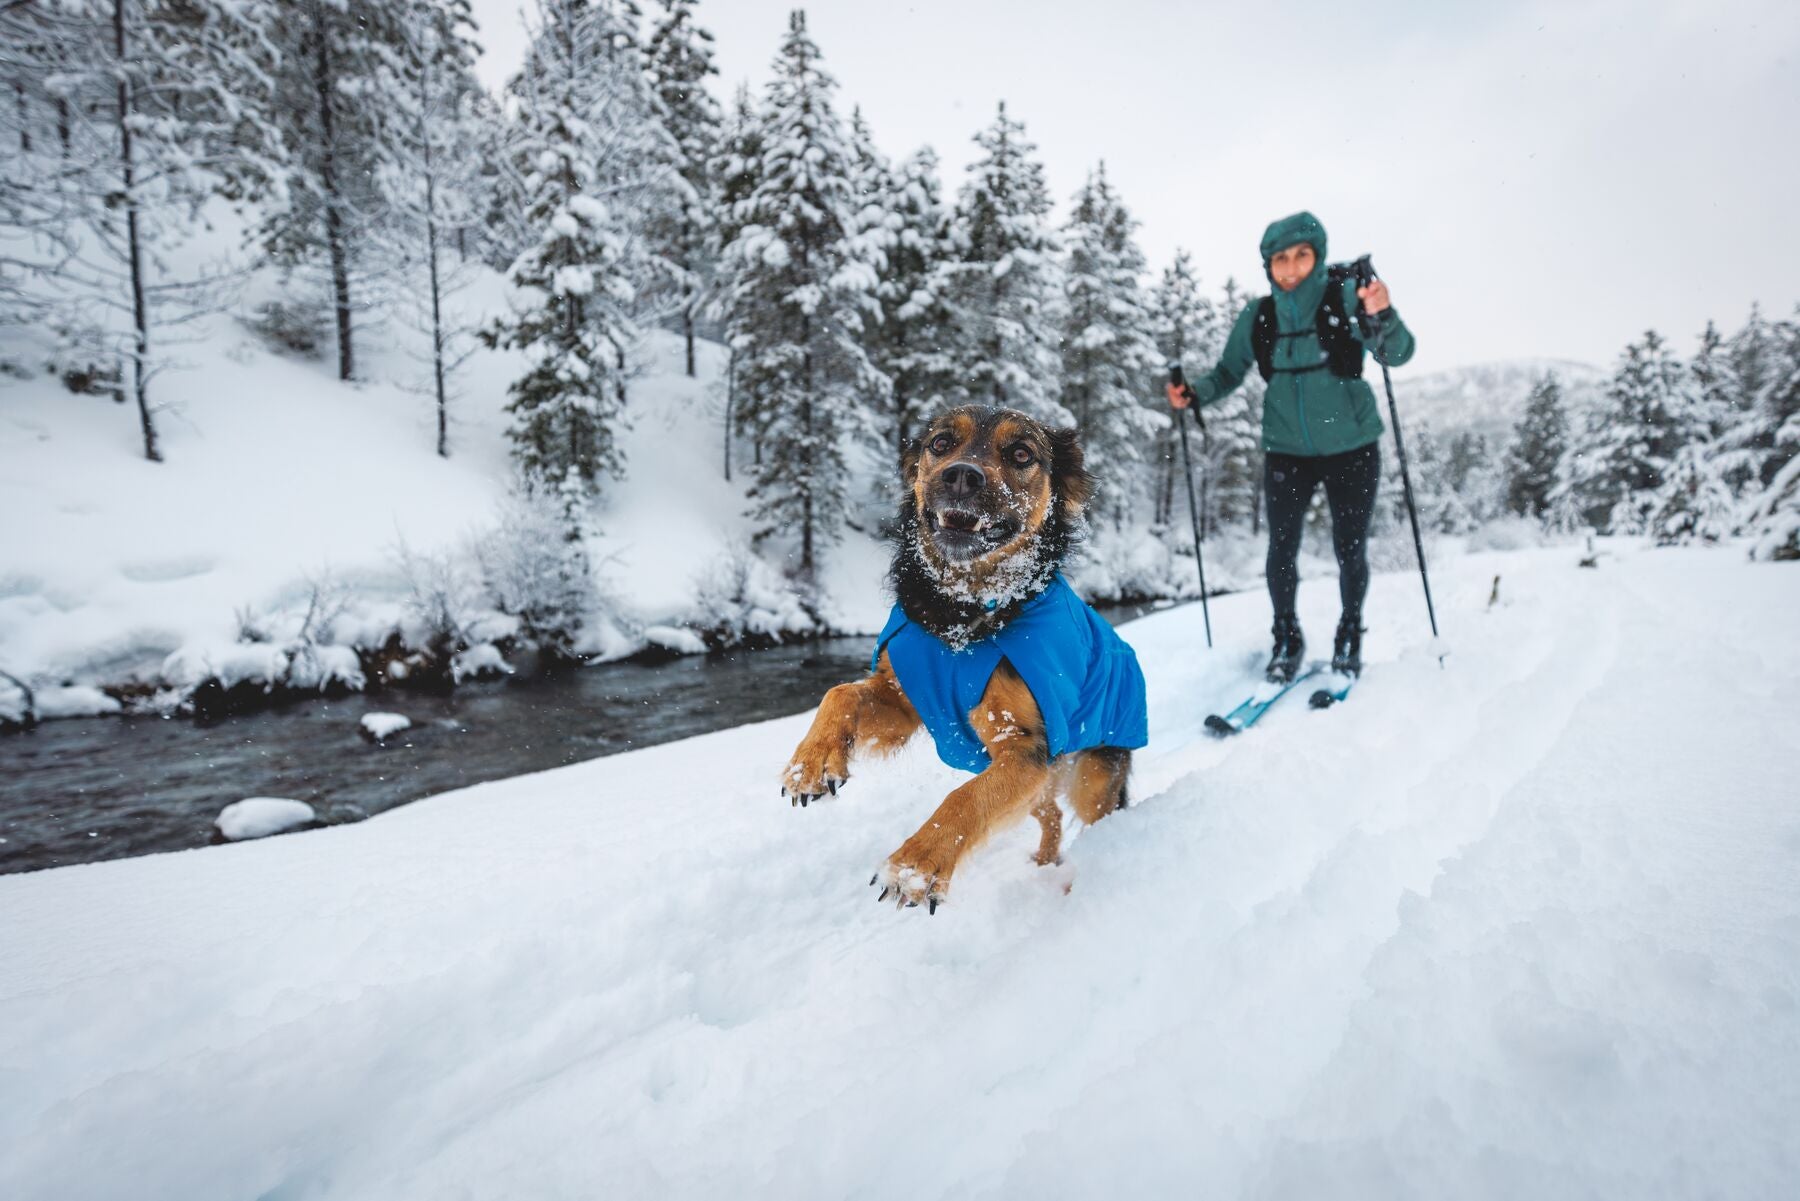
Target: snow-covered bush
x,y
441,602
739,598
299,326
536,569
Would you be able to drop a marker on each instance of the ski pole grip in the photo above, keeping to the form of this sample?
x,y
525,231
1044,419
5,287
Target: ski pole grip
x,y
1176,378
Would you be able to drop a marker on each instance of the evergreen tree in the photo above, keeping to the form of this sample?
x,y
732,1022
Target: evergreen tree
x,y
1005,285
1109,368
571,292
435,188
803,286
1535,459
1235,429
909,345
1180,315
341,85
1652,412
735,173
680,60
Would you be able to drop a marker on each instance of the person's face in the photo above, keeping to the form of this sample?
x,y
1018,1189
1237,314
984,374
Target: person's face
x,y
1292,265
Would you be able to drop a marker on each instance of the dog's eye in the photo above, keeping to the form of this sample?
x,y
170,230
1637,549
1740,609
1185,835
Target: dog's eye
x,y
1022,456
941,444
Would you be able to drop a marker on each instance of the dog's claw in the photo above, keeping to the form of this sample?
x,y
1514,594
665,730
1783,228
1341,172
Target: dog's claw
x,y
883,896
832,785
874,878
932,911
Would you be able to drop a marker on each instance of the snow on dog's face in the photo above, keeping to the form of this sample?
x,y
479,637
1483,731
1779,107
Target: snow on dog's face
x,y
983,482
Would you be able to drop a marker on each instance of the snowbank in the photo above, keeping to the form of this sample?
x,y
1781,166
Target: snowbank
x,y
1515,927
259,817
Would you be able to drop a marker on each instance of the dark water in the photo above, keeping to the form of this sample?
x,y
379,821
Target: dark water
x,y
106,788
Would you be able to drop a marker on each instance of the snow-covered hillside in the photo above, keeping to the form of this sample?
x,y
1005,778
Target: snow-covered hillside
x,y
1524,926
277,475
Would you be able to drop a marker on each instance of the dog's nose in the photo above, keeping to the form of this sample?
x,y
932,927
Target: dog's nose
x,y
961,479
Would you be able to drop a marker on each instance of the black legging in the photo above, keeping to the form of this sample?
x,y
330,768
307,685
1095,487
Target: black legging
x,y
1350,482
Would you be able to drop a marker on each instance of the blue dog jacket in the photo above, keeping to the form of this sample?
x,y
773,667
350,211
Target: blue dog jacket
x,y
1084,677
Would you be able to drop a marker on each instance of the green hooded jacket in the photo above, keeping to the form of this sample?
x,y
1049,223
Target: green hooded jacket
x,y
1313,412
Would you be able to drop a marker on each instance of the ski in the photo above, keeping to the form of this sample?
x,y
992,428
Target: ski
x,y
1258,703
1337,687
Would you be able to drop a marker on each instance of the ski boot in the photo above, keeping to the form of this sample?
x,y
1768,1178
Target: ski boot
x,y
1289,652
1346,648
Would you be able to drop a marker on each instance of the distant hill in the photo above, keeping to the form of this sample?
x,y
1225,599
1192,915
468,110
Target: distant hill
x,y
1488,398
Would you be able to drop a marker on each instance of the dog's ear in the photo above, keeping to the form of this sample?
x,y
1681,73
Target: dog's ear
x,y
910,451
1069,477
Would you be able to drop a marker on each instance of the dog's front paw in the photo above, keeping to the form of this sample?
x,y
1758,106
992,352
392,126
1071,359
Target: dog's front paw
x,y
817,769
919,872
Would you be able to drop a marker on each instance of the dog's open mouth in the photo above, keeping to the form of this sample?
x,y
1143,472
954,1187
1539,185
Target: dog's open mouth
x,y
962,532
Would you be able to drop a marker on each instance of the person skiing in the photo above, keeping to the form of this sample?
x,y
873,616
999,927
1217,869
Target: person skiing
x,y
1320,422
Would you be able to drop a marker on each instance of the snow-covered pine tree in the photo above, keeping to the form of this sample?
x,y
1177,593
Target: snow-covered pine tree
x,y
154,105
680,58
436,187
341,85
1235,429
1005,285
1179,314
802,287
571,294
910,344
1534,461
1109,364
735,172
1652,412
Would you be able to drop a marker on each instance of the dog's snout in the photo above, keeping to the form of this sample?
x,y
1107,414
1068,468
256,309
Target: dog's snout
x,y
963,480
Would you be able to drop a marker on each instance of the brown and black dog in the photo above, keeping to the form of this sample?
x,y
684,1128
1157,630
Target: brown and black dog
x,y
991,503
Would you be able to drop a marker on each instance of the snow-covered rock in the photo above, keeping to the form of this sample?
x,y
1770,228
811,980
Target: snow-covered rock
x,y
378,727
76,700
481,661
259,817
678,639
231,663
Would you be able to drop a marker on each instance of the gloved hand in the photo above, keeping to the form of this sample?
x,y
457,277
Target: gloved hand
x,y
1180,395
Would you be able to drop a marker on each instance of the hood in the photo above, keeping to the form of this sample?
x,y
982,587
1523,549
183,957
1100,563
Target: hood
x,y
1291,231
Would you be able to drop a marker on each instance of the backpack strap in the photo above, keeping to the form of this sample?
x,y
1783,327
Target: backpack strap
x,y
1343,353
1263,332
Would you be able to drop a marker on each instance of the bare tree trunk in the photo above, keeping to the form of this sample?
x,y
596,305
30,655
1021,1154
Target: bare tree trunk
x,y
140,317
730,408
431,254
334,223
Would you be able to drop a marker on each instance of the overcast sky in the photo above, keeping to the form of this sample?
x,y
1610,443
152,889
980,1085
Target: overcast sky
x,y
1534,179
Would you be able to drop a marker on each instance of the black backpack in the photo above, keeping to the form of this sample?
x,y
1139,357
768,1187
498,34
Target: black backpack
x,y
1343,351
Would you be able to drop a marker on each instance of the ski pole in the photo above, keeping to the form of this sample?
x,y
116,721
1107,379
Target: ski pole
x,y
1178,380
1377,323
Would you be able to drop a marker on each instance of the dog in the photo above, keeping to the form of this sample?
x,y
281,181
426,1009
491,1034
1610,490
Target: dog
x,y
989,649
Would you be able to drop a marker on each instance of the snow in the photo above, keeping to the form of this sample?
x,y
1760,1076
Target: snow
x,y
378,726
262,816
277,476
1525,925
74,701
675,638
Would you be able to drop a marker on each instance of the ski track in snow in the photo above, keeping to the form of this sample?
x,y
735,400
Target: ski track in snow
x,y
1525,926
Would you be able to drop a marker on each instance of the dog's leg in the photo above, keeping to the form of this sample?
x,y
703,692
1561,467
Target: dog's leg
x,y
1097,782
869,716
1049,818
1018,778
